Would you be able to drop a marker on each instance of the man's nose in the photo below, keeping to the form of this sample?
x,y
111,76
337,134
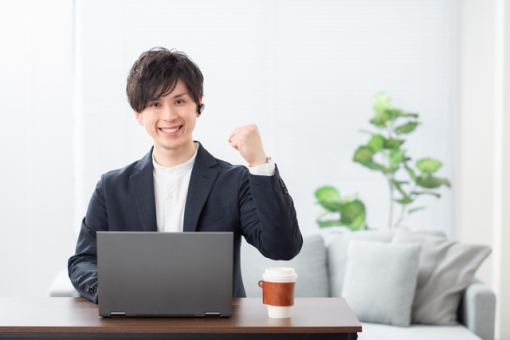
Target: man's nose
x,y
169,114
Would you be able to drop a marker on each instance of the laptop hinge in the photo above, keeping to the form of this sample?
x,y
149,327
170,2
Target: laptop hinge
x,y
212,313
117,313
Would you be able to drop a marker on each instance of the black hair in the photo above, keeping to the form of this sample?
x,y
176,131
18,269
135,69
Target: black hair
x,y
155,74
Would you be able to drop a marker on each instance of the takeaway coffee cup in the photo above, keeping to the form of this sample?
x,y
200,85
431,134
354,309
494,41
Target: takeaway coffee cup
x,y
278,291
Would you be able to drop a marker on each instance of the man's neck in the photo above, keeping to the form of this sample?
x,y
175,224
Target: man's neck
x,y
170,157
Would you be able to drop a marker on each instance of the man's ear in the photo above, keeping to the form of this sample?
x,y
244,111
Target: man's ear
x,y
139,118
199,109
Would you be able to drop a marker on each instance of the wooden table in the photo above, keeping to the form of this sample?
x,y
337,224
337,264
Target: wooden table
x,y
78,318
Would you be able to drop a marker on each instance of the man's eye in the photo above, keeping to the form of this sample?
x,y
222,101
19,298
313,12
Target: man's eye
x,y
155,105
179,101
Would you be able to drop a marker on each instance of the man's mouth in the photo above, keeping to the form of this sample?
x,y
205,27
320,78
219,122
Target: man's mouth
x,y
171,130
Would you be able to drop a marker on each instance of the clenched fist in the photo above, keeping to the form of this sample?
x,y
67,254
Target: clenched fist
x,y
246,140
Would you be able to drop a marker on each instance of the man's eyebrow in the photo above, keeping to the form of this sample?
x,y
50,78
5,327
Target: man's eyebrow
x,y
180,95
176,96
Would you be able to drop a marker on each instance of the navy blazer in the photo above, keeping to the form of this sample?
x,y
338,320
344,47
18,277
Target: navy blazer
x,y
221,197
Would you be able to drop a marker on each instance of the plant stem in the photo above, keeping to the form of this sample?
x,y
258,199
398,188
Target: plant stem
x,y
401,217
404,208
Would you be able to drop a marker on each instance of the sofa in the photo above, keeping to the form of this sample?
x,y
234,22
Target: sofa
x,y
321,267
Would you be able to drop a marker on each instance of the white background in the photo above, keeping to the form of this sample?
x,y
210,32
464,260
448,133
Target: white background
x,y
304,71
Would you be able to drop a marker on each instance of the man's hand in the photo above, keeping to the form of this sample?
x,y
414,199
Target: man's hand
x,y
246,140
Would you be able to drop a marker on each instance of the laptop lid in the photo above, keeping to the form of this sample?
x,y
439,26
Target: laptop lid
x,y
149,274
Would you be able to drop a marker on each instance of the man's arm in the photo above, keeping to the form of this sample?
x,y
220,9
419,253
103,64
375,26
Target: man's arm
x,y
82,266
268,217
267,213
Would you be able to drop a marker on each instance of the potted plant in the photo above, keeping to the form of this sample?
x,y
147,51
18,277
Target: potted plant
x,y
384,153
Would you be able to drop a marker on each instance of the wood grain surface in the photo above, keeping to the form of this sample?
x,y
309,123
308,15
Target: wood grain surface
x,y
249,315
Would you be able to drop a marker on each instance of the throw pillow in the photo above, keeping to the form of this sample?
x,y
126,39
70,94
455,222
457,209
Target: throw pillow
x,y
380,280
310,266
337,253
446,269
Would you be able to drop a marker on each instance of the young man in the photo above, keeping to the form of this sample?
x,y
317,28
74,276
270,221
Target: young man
x,y
178,185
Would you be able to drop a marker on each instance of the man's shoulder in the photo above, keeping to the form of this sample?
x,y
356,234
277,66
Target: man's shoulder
x,y
226,166
223,167
127,171
229,170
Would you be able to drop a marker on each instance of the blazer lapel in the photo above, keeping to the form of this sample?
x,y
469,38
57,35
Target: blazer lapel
x,y
200,185
143,185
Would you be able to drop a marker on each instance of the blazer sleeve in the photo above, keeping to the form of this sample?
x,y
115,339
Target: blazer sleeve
x,y
268,217
82,267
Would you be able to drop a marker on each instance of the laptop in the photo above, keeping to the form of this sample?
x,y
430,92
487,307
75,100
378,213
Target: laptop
x,y
154,274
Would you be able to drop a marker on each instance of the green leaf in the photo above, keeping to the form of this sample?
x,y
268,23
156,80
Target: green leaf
x,y
380,121
393,114
410,211
376,143
393,143
407,114
363,154
327,193
405,200
410,172
428,165
398,186
348,199
379,167
396,156
330,223
350,211
418,193
430,182
382,102
328,197
359,222
406,128
400,182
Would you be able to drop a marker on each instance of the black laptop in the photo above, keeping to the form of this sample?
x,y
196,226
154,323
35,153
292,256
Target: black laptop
x,y
154,274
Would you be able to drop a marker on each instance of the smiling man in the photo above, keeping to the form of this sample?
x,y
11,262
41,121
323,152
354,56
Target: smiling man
x,y
178,185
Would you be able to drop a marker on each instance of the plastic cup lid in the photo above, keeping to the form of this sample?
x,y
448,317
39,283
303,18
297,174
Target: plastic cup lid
x,y
283,274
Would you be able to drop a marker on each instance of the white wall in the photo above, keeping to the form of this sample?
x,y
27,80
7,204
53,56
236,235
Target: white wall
x,y
304,71
482,148
36,200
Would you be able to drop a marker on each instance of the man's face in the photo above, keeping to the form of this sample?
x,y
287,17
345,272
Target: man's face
x,y
170,120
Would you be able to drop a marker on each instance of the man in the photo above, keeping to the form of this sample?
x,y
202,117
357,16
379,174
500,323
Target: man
x,y
178,185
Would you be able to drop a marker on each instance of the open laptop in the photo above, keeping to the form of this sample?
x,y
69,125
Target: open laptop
x,y
149,274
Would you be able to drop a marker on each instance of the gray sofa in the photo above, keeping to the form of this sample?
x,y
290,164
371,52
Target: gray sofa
x,y
320,267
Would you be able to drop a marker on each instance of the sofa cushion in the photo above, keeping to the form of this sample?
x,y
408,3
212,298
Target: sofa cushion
x,y
380,280
310,266
446,269
337,254
415,332
61,286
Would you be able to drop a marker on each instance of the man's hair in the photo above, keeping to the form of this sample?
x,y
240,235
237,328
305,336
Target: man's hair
x,y
155,74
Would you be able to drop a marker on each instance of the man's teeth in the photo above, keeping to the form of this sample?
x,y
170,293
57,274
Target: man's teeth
x,y
170,130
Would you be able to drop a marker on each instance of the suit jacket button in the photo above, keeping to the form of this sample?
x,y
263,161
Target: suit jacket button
x,y
286,191
282,183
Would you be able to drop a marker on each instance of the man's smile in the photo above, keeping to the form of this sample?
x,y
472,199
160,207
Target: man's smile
x,y
170,130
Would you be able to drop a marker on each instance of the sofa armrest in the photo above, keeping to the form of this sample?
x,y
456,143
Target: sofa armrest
x,y
61,286
477,310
